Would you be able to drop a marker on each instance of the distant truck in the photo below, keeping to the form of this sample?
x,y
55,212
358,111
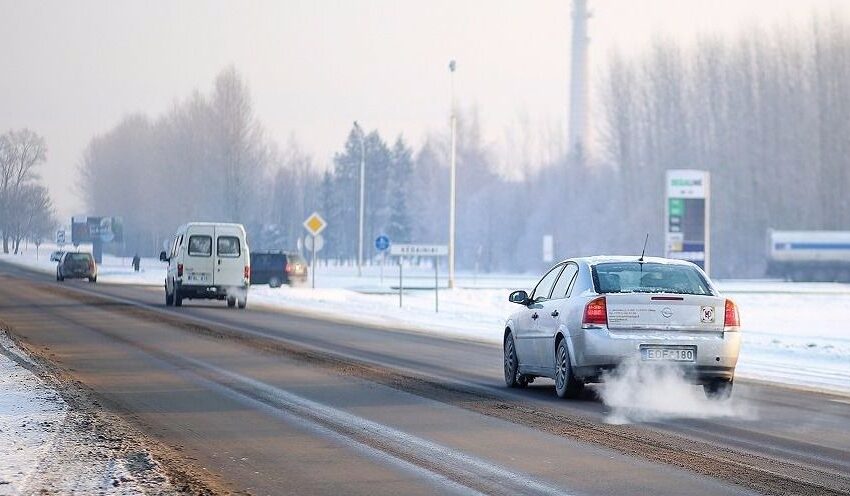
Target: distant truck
x,y
809,255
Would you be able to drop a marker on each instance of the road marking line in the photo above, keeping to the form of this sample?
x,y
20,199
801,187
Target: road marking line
x,y
494,478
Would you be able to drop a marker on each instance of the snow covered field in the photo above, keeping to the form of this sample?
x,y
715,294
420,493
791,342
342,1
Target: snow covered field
x,y
793,333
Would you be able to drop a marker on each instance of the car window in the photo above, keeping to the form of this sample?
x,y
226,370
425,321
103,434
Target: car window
x,y
79,257
637,277
228,246
544,287
564,283
200,246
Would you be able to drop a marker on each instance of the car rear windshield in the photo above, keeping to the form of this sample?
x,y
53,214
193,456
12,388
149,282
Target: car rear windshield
x,y
228,246
296,259
79,257
642,277
200,246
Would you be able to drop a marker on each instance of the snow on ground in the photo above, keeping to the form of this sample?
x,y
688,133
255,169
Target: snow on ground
x,y
47,447
793,333
30,416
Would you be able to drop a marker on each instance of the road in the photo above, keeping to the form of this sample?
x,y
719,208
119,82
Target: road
x,y
265,402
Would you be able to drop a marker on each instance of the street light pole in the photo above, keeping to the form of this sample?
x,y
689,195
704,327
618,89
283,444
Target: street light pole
x,y
452,180
362,196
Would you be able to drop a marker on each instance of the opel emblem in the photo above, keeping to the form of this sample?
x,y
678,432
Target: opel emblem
x,y
667,312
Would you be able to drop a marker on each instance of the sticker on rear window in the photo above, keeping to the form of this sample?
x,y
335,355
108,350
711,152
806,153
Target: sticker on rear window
x,y
706,315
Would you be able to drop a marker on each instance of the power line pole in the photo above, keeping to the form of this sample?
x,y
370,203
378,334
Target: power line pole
x,y
362,197
452,181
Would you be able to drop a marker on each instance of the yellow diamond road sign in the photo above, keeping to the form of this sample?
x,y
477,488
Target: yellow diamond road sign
x,y
315,224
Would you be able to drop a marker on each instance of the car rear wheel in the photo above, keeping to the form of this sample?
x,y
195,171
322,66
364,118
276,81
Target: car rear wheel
x,y
242,302
274,282
93,279
231,301
512,376
566,384
178,298
718,389
169,298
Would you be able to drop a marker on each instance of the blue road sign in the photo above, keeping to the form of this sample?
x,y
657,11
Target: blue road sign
x,y
382,242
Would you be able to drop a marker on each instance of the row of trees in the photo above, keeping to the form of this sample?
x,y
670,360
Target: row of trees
x,y
26,211
766,113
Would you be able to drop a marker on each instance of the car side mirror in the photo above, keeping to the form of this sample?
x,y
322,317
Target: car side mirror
x,y
520,297
163,257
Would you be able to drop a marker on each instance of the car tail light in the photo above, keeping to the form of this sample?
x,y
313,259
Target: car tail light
x,y
288,268
247,272
179,270
91,266
732,320
595,313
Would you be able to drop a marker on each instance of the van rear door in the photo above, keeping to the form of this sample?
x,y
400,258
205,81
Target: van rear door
x,y
198,260
231,256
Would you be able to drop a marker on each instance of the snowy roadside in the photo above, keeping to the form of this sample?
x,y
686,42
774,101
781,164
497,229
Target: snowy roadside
x,y
50,447
793,333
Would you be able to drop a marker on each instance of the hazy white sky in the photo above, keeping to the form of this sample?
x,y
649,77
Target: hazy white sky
x,y
71,70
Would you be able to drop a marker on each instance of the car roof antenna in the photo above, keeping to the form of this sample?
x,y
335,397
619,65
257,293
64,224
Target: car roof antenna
x,y
644,248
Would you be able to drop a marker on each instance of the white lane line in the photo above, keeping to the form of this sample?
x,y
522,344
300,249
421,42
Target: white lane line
x,y
494,478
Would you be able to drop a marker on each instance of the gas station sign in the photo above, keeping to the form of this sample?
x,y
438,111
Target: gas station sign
x,y
687,216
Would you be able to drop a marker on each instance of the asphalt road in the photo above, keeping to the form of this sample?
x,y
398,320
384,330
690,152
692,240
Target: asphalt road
x,y
267,402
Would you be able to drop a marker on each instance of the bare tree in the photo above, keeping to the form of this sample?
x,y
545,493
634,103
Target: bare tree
x,y
20,153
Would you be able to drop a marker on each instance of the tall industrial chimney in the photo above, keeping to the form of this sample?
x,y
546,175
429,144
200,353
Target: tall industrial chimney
x,y
578,116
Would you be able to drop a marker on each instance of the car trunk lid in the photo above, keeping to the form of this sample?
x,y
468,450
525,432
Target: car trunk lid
x,y
665,311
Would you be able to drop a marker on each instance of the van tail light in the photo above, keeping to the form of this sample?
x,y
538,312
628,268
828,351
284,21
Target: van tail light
x,y
595,313
247,272
731,321
288,268
179,270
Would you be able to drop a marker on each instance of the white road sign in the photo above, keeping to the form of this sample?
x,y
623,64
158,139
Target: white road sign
x,y
319,240
419,250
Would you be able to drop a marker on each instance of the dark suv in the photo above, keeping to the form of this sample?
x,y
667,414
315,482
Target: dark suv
x,y
76,266
275,267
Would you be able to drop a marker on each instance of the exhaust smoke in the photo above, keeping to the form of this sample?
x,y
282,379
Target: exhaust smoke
x,y
641,392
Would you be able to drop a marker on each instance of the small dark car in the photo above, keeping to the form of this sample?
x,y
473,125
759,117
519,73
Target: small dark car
x,y
275,267
76,266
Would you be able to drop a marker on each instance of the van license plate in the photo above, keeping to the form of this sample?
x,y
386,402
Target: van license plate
x,y
197,277
666,354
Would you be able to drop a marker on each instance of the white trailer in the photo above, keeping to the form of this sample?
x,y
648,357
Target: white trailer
x,y
809,255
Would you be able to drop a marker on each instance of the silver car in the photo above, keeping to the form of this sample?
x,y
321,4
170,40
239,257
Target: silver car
x,y
588,315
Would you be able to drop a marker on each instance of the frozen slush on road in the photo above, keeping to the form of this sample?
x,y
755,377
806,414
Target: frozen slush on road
x,y
586,316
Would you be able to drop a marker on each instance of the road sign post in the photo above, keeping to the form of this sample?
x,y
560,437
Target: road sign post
x,y
314,224
434,251
382,244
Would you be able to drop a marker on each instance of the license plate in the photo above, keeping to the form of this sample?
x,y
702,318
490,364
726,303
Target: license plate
x,y
666,354
193,277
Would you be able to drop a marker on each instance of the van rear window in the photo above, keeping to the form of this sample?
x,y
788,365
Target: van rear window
x,y
228,246
200,246
637,277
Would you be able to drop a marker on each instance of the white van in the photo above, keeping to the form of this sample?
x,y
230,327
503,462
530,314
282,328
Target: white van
x,y
208,260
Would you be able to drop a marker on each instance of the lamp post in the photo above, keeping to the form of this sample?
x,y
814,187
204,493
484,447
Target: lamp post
x,y
362,196
452,180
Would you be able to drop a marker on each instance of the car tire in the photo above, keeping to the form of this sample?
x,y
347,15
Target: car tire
x,y
169,298
513,378
178,298
242,302
566,384
231,301
274,282
718,389
93,279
